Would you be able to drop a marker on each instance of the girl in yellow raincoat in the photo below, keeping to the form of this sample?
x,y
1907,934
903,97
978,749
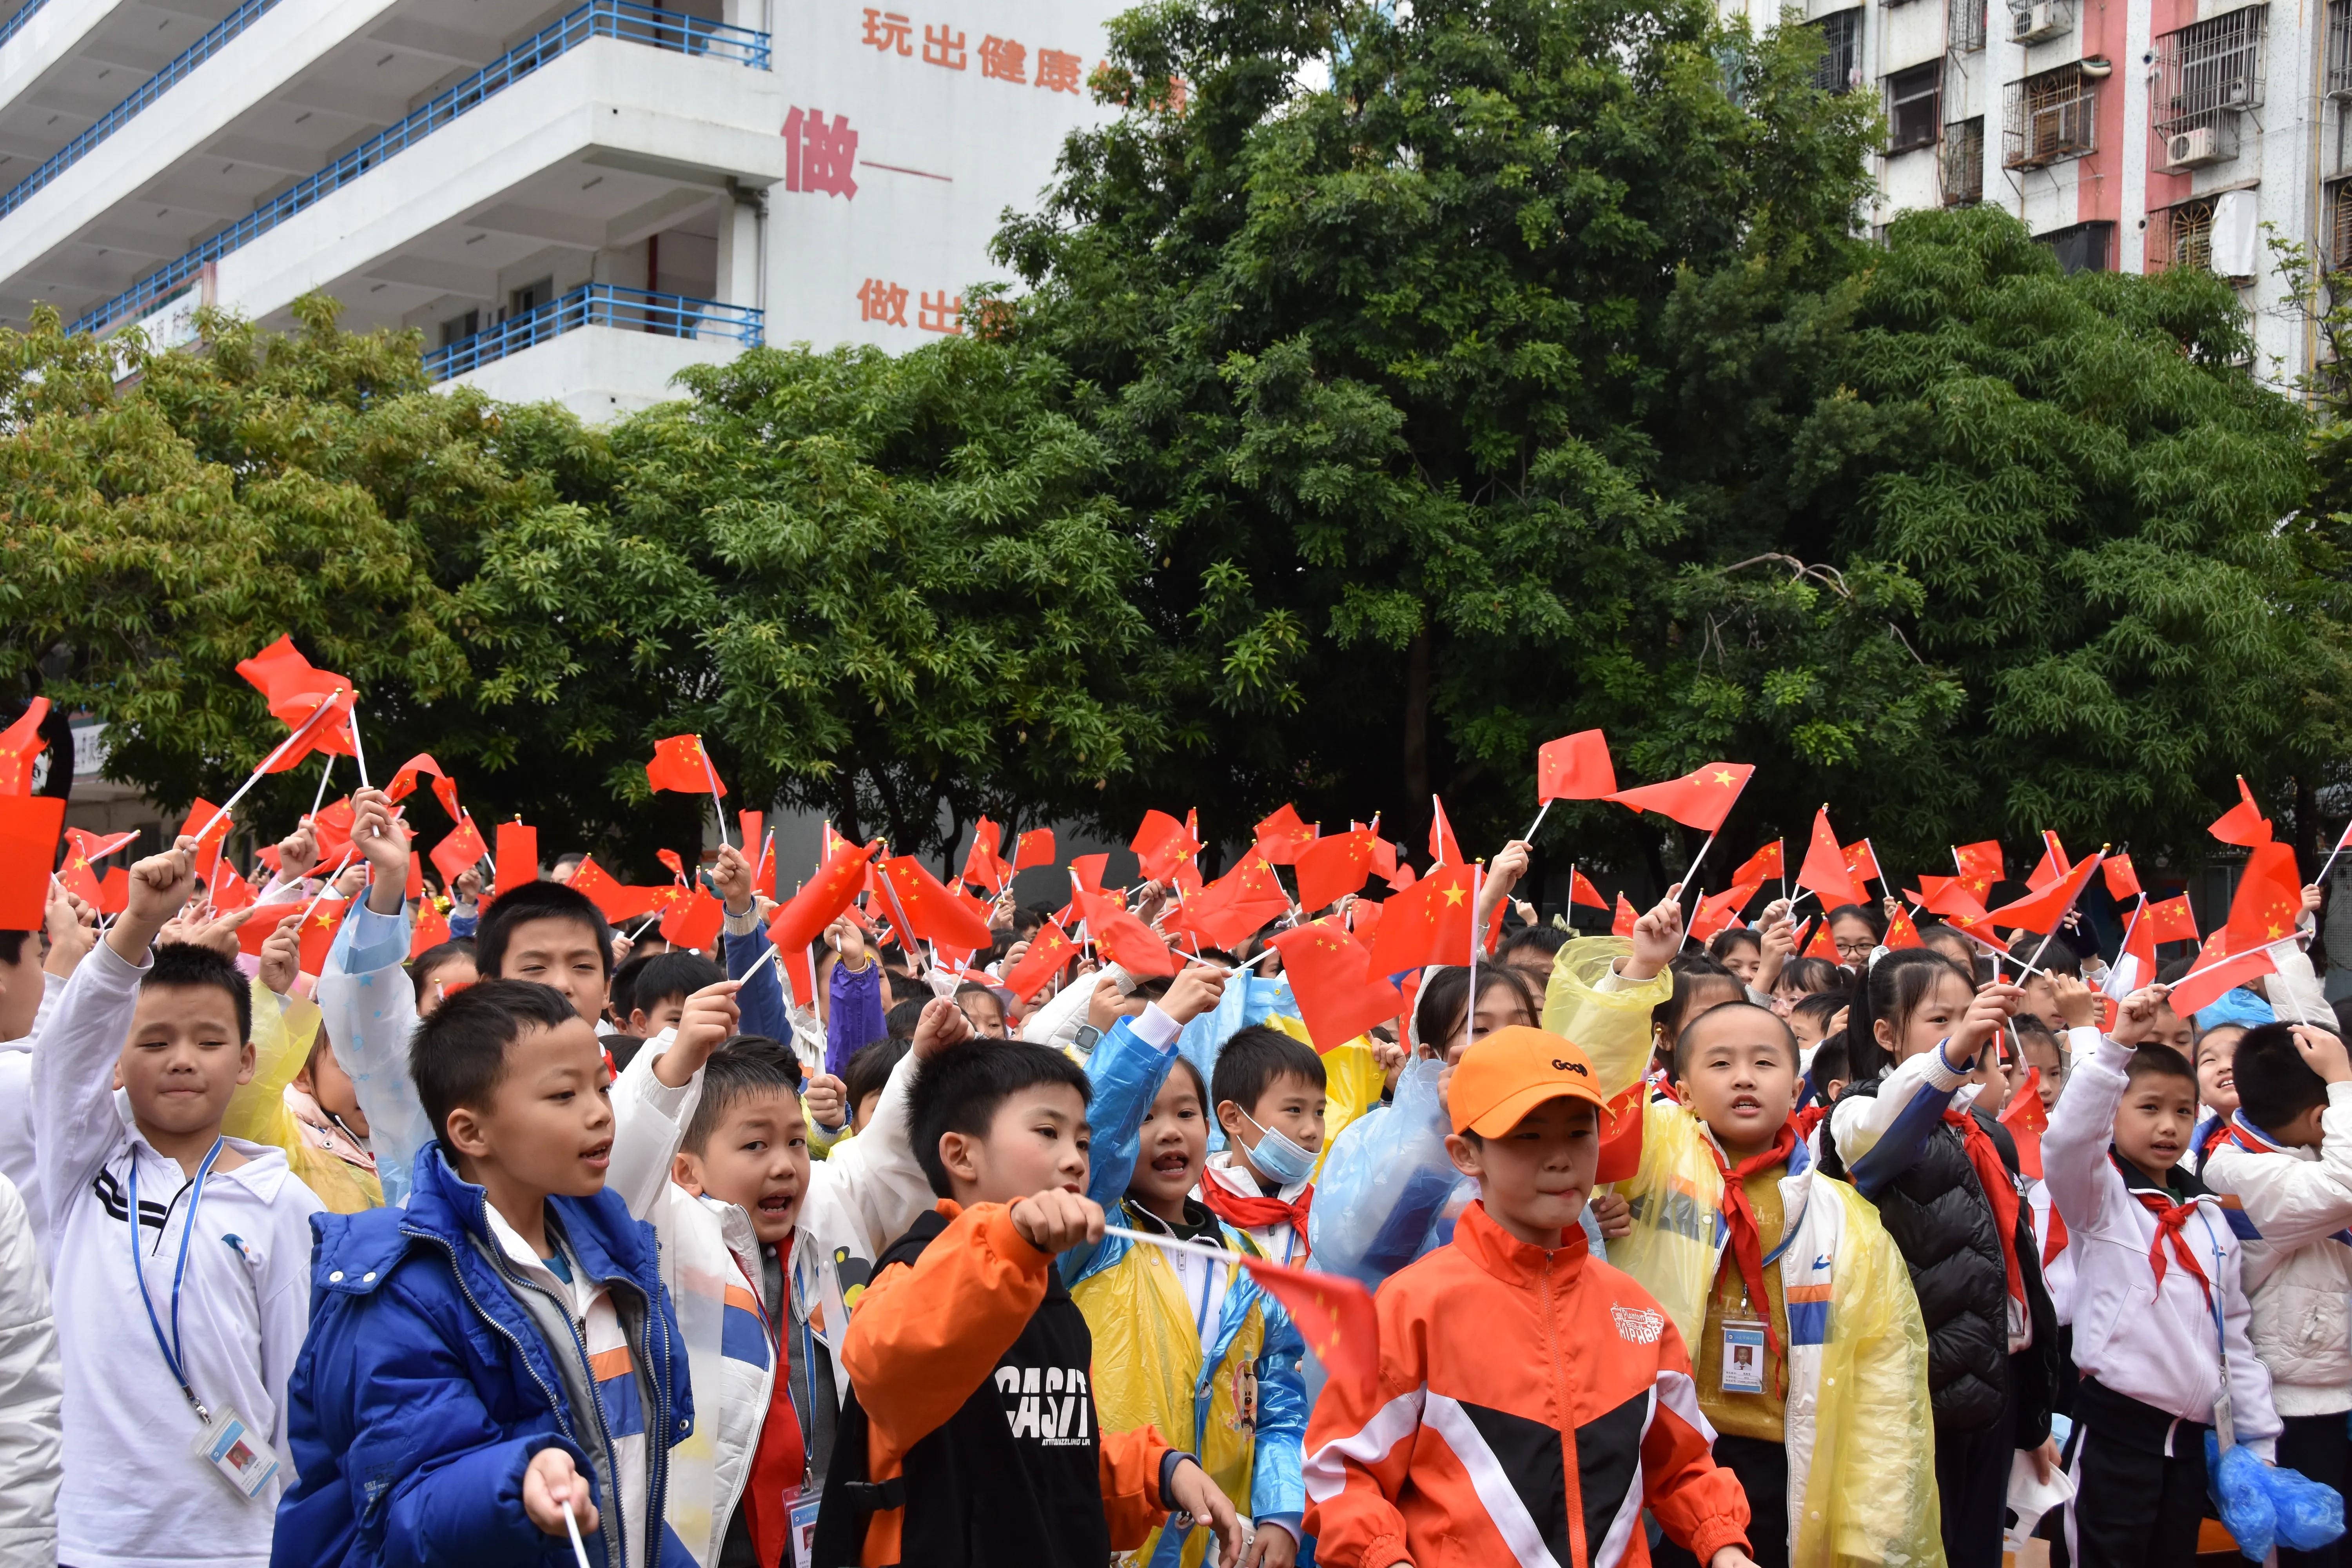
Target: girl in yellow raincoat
x,y
1184,1344
1838,1345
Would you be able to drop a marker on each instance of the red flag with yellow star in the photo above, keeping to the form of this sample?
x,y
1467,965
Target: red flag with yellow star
x,y
693,921
821,902
1123,939
1049,949
1980,865
1575,767
614,898
262,924
2123,881
77,875
2172,920
1763,865
1331,976
1428,922
1228,910
932,911
1443,849
1282,838
1331,868
1626,917
2052,865
2268,901
432,931
19,744
2041,910
1580,891
319,928
680,763
1901,933
1700,799
1161,844
460,851
2244,823
2206,983
982,865
1034,848
518,859
1334,1315
403,783
1716,911
1825,870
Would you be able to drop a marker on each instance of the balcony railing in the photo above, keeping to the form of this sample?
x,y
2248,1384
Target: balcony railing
x,y
16,24
621,19
598,305
215,39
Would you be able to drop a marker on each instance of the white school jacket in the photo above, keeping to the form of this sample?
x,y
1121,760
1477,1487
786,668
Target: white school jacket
x,y
30,1393
2160,1344
135,1495
2298,1276
859,1200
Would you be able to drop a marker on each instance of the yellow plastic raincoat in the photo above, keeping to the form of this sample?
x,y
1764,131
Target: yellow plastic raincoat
x,y
257,1112
1861,1435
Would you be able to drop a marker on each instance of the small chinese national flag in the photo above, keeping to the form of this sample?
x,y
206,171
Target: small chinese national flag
x,y
19,744
2041,911
1580,891
2243,824
2172,920
1282,838
1089,870
1428,922
319,928
2269,898
1161,844
1123,939
432,931
1334,1315
1763,865
262,924
114,891
933,912
1822,946
820,903
1863,864
2123,882
1034,848
693,922
616,900
1049,949
1825,870
518,859
1626,917
2052,865
1575,767
1701,799
403,783
1443,849
1716,911
30,827
460,851
1901,933
1331,973
204,812
680,763
1980,865
1331,868
982,865
2027,1122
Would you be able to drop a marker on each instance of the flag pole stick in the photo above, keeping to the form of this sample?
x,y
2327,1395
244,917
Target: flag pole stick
x,y
1174,1245
1540,811
244,789
1470,1008
358,751
2053,931
325,774
1689,876
712,774
2321,880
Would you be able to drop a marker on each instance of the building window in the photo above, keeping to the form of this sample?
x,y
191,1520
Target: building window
x,y
1963,162
1914,105
1840,65
2188,234
459,327
1964,24
2339,48
2082,248
2052,116
2207,77
2336,247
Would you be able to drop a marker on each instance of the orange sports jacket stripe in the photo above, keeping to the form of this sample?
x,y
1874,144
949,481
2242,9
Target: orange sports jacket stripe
x,y
1529,1405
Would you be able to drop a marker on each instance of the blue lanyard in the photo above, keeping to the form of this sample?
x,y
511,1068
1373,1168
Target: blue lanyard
x,y
172,1357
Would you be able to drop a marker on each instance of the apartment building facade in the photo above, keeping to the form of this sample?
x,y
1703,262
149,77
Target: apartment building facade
x,y
572,200
2129,135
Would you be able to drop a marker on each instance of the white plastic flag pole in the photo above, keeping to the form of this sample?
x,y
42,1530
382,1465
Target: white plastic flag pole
x,y
578,1551
246,787
2325,865
712,774
358,751
325,774
1470,1008
1530,833
1690,878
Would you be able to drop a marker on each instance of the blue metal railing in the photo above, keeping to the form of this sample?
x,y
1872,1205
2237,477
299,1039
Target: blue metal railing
x,y
598,305
145,93
623,19
16,24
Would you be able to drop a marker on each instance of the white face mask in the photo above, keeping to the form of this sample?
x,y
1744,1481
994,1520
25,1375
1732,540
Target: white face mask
x,y
1277,1156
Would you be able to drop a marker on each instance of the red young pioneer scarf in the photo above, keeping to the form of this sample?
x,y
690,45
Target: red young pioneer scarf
x,y
1999,1189
2170,1217
1253,1211
1746,1242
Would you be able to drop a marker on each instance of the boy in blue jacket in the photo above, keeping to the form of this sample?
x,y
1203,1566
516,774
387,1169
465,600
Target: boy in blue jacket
x,y
500,1351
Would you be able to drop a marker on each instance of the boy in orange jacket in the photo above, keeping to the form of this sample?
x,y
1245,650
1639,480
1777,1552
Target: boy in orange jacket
x,y
971,1433
1532,1400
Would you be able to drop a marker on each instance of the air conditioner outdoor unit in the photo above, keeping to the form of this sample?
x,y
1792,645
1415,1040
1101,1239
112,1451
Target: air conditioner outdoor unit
x,y
2184,149
2032,23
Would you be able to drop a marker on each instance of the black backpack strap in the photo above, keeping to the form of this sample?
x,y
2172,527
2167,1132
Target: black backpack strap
x,y
852,1498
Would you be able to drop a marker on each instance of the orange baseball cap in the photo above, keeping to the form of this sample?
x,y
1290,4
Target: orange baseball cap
x,y
1510,1073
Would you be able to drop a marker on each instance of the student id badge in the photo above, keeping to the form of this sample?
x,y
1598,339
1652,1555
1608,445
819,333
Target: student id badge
x,y
803,1528
1743,1356
238,1452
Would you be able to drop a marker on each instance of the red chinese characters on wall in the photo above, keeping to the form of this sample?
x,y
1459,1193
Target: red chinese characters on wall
x,y
1001,59
879,299
820,159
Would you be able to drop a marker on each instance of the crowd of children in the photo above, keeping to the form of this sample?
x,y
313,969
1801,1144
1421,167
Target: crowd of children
x,y
540,1242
